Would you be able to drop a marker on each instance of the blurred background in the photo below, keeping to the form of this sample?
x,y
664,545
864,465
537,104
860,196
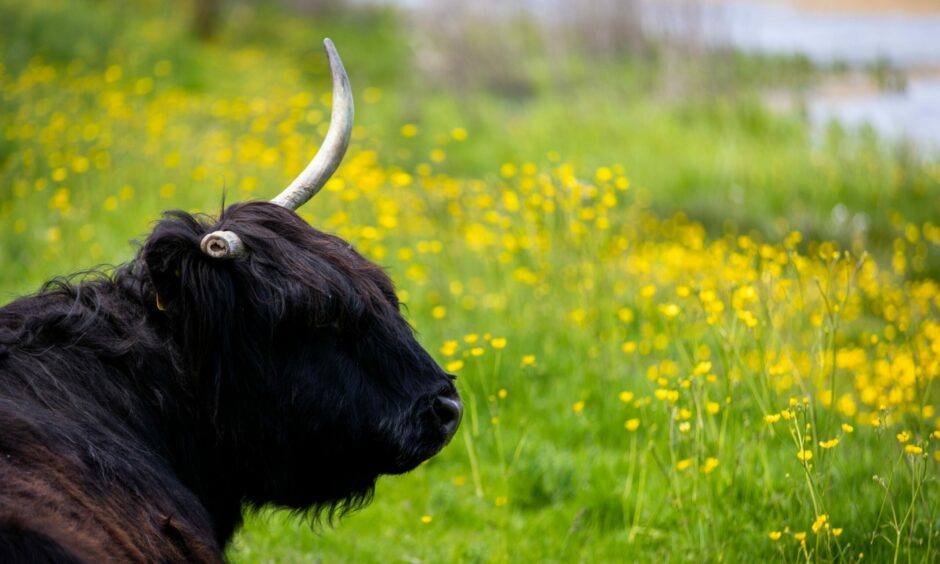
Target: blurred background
x,y
623,223
777,115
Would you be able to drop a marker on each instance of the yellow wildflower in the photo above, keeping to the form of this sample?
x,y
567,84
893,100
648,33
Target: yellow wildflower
x,y
449,348
831,443
669,310
710,464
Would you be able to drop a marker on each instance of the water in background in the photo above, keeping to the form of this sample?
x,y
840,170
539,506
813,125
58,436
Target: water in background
x,y
908,43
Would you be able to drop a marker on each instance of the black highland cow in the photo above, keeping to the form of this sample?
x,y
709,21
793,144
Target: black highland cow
x,y
240,362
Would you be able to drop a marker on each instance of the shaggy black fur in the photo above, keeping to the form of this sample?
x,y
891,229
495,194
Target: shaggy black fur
x,y
137,427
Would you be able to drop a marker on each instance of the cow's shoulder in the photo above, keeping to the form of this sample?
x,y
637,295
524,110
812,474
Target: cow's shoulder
x,y
20,544
92,497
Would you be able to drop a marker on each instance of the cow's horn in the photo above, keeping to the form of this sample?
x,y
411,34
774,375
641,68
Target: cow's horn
x,y
326,160
222,245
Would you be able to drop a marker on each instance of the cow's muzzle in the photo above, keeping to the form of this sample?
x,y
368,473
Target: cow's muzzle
x,y
448,411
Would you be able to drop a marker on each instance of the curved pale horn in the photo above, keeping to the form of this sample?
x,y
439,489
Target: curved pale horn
x,y
331,152
222,245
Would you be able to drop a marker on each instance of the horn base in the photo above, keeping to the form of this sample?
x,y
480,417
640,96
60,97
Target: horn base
x,y
222,245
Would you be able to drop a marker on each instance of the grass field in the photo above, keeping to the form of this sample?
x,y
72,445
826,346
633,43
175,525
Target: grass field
x,y
685,328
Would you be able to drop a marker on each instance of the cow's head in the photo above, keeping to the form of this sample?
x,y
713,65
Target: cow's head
x,y
295,344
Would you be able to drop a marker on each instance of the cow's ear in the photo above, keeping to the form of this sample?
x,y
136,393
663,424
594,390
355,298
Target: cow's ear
x,y
171,250
163,262
198,294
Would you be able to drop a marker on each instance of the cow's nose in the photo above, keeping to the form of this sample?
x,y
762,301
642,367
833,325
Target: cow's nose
x,y
448,410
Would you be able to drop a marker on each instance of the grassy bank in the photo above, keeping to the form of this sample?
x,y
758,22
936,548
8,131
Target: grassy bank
x,y
669,345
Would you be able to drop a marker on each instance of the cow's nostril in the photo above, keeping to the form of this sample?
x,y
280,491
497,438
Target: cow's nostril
x,y
448,411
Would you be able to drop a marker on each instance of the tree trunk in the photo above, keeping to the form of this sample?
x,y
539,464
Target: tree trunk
x,y
206,18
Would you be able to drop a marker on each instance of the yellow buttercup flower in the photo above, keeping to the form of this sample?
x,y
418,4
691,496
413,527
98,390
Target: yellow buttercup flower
x,y
449,348
710,464
669,310
831,443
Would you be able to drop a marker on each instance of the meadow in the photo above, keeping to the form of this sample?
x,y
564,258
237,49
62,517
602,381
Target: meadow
x,y
684,328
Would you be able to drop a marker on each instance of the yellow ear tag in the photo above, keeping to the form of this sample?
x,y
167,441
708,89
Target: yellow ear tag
x,y
160,305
